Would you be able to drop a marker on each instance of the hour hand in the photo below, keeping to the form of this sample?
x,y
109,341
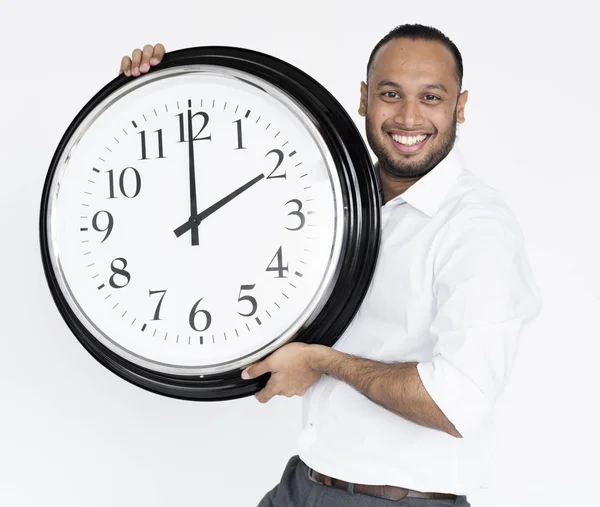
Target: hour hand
x,y
194,221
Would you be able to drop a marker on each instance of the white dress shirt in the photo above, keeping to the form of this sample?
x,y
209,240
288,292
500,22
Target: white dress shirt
x,y
452,290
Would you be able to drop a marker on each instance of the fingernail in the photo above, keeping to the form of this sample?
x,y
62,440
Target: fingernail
x,y
245,375
154,61
136,71
145,67
128,73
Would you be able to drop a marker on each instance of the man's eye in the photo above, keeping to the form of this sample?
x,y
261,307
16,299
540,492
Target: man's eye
x,y
431,97
390,95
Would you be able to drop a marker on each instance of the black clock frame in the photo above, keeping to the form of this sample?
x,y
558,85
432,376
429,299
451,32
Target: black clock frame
x,y
362,201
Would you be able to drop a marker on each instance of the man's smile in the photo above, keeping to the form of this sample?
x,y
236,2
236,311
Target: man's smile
x,y
409,144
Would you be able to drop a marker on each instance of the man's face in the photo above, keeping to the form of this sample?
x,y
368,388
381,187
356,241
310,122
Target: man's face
x,y
412,105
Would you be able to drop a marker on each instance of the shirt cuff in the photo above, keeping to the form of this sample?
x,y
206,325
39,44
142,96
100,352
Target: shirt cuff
x,y
457,396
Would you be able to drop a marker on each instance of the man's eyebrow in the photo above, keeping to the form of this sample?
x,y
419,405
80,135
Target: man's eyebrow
x,y
437,86
385,82
433,86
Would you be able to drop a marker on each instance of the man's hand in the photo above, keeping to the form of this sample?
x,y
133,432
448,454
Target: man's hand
x,y
141,60
291,368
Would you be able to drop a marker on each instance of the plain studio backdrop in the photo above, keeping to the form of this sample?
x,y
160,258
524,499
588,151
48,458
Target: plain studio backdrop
x,y
74,434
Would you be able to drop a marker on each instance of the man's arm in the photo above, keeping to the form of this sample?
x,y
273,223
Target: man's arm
x,y
394,386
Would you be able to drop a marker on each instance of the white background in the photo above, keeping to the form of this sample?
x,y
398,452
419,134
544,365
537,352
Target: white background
x,y
74,434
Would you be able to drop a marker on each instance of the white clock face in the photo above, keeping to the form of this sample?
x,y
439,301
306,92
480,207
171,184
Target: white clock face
x,y
208,296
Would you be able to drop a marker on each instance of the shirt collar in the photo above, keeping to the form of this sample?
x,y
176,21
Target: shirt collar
x,y
430,191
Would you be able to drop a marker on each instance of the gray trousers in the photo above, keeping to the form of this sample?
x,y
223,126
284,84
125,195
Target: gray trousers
x,y
297,490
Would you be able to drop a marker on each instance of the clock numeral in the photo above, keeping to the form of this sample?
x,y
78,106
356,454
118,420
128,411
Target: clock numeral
x,y
250,299
157,311
195,312
279,154
297,213
240,145
279,268
191,116
160,144
109,224
137,182
119,273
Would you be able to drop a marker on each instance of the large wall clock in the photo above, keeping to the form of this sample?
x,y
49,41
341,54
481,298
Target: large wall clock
x,y
197,218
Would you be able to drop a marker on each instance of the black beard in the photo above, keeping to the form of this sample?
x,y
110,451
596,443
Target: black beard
x,y
410,170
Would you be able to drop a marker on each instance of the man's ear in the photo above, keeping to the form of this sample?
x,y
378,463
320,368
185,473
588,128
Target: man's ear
x,y
362,108
460,106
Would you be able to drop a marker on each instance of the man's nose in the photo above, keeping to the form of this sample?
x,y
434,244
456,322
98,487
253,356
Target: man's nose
x,y
408,113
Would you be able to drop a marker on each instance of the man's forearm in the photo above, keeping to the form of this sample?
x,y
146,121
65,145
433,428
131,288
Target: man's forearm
x,y
395,386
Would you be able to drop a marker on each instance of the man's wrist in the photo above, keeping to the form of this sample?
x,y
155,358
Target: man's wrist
x,y
321,358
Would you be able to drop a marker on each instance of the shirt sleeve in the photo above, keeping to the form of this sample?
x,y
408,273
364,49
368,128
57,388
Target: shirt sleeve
x,y
485,294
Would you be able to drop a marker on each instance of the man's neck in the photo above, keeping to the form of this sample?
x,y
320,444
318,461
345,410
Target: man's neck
x,y
393,187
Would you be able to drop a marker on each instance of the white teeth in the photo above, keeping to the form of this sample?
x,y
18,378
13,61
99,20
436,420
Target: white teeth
x,y
408,140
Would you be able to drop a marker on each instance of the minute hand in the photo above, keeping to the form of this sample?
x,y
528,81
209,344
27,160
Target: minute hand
x,y
194,221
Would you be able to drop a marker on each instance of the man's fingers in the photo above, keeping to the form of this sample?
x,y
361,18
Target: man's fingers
x,y
267,392
256,370
146,55
157,56
136,59
263,396
141,60
125,66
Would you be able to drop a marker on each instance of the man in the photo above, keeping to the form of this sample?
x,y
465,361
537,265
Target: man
x,y
400,406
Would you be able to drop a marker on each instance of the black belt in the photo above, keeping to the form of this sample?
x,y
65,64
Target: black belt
x,y
387,492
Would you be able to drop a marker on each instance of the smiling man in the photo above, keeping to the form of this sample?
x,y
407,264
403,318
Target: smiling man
x,y
412,103
401,406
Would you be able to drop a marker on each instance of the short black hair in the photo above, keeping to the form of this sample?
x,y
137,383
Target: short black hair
x,y
421,32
